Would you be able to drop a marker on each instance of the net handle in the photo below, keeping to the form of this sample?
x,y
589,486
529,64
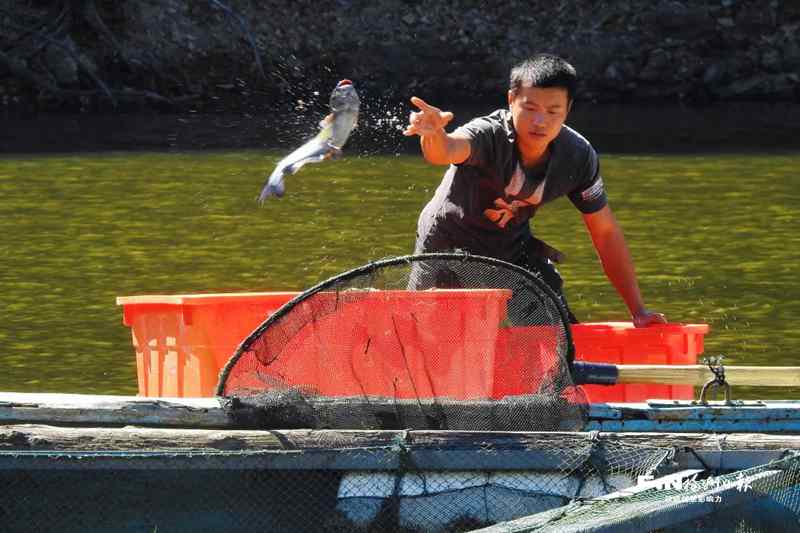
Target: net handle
x,y
244,346
590,373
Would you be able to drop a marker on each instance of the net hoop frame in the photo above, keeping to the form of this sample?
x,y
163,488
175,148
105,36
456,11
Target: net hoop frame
x,y
244,346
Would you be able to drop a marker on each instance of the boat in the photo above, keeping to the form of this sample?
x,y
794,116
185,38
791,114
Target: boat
x,y
369,455
107,463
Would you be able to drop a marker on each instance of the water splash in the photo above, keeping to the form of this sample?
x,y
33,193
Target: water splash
x,y
381,124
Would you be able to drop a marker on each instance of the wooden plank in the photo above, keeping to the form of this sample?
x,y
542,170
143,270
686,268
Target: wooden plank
x,y
761,376
71,409
112,410
380,450
287,411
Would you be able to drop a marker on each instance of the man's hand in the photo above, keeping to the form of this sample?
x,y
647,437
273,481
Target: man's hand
x,y
428,120
438,146
644,318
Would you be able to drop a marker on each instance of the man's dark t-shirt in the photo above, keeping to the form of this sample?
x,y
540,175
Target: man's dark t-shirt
x,y
484,204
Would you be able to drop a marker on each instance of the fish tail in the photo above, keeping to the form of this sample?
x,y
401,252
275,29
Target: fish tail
x,y
274,186
269,191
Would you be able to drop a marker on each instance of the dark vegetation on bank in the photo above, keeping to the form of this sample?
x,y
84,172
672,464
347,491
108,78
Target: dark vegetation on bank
x,y
207,55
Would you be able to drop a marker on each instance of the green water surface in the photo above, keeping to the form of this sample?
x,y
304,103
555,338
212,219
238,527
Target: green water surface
x,y
714,238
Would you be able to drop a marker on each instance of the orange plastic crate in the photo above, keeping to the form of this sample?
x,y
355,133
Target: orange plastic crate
x,y
183,341
622,343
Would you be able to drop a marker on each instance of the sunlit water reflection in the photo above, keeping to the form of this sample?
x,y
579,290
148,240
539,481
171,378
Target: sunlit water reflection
x,y
714,238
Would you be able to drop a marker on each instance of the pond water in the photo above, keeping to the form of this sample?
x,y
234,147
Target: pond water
x,y
713,234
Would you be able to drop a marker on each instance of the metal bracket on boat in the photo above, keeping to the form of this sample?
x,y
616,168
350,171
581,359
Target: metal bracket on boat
x,y
716,367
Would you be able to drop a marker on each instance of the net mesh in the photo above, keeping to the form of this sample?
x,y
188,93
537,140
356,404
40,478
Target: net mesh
x,y
201,490
429,500
433,341
764,498
194,490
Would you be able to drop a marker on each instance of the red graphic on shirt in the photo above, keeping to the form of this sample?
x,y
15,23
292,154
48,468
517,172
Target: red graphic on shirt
x,y
505,212
518,186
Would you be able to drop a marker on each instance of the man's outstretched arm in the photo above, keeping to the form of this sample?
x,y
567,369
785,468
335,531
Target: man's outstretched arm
x,y
610,244
438,147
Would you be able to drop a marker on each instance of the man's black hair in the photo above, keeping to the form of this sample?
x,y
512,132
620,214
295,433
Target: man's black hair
x,y
545,70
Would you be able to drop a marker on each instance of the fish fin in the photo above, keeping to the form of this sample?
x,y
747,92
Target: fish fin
x,y
333,154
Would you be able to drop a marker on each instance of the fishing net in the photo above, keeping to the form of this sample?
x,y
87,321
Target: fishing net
x,y
518,482
432,341
764,498
415,499
318,483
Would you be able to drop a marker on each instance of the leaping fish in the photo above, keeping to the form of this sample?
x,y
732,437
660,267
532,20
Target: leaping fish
x,y
327,144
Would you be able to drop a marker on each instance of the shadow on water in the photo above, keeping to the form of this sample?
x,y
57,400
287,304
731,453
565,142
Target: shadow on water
x,y
743,127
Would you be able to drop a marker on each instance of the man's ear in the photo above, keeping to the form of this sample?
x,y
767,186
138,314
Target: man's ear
x,y
569,105
511,95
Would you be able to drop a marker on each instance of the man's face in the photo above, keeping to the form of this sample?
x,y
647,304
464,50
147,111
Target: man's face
x,y
538,114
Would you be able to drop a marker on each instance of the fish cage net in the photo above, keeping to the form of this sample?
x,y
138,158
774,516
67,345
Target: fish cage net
x,y
395,488
432,341
762,499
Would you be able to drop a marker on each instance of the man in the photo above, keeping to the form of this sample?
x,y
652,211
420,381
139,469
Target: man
x,y
505,165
